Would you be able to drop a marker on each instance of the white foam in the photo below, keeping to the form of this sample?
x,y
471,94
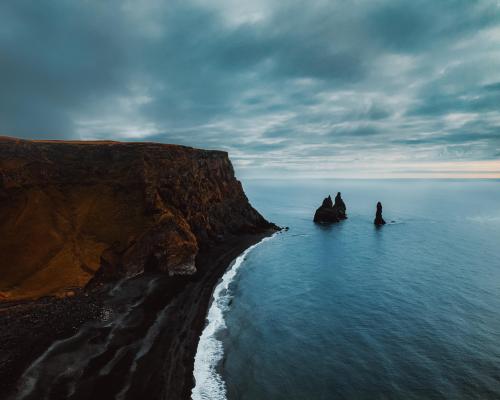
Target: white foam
x,y
209,384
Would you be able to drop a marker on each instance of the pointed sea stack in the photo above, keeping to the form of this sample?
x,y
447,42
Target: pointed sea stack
x,y
329,212
340,206
378,216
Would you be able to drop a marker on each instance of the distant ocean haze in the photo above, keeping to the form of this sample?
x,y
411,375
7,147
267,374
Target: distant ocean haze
x,y
410,310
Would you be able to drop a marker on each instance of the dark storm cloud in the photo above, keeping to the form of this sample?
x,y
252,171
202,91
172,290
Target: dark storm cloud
x,y
494,87
449,95
412,26
288,80
375,112
355,131
56,57
458,138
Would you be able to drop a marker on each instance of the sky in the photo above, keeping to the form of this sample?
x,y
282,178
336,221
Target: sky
x,y
291,89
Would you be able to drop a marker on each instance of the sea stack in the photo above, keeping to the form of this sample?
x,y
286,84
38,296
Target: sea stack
x,y
330,212
378,216
340,206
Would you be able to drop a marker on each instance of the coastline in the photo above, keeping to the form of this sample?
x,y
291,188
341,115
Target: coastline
x,y
177,309
210,350
198,297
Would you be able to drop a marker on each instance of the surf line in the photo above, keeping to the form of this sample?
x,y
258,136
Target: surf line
x,y
208,382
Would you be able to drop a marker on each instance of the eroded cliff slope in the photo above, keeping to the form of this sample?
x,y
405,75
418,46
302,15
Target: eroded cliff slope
x,y
70,209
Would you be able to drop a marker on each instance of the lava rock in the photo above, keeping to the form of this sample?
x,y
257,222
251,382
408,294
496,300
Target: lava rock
x,y
378,216
330,212
340,206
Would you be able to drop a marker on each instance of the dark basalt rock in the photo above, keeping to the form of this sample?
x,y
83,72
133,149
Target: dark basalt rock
x,y
330,212
340,206
378,216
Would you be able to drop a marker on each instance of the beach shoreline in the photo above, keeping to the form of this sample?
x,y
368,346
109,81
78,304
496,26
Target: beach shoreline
x,y
164,371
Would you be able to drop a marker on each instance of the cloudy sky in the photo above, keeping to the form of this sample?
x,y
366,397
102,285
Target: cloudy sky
x,y
338,88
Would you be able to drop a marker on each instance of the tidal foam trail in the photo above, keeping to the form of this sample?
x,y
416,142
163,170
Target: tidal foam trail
x,y
209,384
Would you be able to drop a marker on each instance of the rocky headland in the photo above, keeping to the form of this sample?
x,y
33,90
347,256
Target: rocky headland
x,y
330,212
77,217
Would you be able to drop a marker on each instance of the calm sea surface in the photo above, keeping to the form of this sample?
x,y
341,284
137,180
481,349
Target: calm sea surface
x,y
348,311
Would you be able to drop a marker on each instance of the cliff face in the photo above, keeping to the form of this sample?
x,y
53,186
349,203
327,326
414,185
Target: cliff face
x,y
70,209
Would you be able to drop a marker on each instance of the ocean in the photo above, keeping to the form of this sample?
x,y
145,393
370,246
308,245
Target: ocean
x,y
348,311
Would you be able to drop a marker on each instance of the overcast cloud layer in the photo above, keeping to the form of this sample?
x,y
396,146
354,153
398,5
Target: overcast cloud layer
x,y
363,88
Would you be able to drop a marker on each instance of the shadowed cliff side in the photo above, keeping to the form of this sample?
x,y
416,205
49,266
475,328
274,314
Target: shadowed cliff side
x,y
71,209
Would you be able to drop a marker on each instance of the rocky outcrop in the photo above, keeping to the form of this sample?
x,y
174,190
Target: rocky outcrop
x,y
330,212
340,206
70,209
378,215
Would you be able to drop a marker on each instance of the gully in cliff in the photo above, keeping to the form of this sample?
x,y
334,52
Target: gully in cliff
x,y
379,221
330,212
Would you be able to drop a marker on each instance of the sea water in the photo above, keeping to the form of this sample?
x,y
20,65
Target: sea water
x,y
410,310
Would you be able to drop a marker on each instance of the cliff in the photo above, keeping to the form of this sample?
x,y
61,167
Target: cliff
x,y
71,209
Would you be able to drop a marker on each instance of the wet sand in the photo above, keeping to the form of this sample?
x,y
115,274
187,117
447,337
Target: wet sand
x,y
137,340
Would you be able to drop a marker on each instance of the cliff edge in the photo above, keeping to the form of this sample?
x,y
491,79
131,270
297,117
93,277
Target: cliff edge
x,y
71,209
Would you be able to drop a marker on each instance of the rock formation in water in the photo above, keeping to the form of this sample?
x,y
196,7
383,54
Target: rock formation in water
x,y
378,216
70,209
330,212
340,206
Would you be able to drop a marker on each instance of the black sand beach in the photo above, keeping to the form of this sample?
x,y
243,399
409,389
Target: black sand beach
x,y
141,338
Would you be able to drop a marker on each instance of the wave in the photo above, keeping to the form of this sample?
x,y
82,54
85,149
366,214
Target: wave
x,y
483,219
208,382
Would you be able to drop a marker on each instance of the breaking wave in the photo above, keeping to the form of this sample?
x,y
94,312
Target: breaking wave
x,y
208,381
